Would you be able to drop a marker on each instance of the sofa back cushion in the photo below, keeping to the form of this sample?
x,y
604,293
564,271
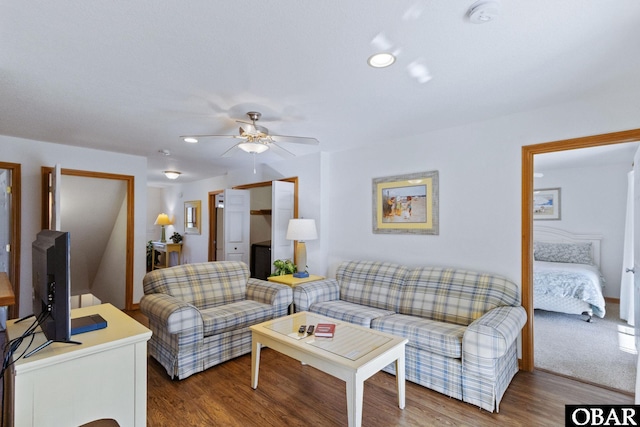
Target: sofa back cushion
x,y
372,283
455,296
205,285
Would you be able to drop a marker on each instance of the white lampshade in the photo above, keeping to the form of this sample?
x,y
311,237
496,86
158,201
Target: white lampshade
x,y
302,229
163,219
253,147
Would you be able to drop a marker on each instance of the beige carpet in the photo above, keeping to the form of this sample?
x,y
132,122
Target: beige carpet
x,y
601,352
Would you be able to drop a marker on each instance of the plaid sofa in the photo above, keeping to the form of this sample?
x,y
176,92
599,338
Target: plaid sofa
x,y
200,313
462,326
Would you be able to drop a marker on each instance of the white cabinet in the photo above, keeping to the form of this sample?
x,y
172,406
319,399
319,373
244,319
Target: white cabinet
x,y
69,385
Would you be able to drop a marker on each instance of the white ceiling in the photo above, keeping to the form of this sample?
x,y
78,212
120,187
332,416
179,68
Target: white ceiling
x,y
587,157
131,76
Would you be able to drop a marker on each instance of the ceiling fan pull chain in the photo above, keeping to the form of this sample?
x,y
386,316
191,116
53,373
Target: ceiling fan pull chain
x,y
254,162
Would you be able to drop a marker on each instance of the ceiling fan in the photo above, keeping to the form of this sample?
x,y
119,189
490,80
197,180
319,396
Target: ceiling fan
x,y
256,139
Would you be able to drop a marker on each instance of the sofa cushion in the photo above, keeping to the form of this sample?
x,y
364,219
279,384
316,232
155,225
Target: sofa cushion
x,y
441,338
236,315
349,312
205,285
372,283
454,296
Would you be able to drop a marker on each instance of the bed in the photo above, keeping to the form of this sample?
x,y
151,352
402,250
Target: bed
x,y
566,273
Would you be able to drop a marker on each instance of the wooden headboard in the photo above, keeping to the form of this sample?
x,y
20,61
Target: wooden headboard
x,y
555,235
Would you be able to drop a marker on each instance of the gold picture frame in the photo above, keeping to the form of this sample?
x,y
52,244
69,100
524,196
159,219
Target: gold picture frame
x,y
406,204
192,217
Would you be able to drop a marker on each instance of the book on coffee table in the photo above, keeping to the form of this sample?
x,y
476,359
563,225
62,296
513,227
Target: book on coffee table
x,y
325,330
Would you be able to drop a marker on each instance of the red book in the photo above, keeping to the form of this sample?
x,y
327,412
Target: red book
x,y
325,330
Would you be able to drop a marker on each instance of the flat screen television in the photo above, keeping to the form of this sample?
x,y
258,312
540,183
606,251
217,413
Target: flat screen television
x,y
52,286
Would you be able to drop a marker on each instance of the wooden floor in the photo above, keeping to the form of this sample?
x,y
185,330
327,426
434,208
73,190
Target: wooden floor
x,y
292,394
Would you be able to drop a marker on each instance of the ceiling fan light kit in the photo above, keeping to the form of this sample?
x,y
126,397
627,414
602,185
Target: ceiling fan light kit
x,y
253,147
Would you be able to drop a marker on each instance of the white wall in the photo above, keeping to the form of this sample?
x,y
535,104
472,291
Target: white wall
x,y
480,185
32,155
593,200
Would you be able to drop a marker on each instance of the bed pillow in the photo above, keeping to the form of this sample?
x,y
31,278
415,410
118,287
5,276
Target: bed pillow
x,y
576,253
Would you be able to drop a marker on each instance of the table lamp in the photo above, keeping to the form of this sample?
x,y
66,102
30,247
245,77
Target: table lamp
x,y
162,220
301,230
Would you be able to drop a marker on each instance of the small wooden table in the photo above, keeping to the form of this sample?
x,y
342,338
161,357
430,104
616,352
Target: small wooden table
x,y
354,354
288,279
167,248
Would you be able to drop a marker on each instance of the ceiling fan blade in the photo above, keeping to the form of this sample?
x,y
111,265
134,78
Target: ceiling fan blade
x,y
207,136
230,152
298,139
280,151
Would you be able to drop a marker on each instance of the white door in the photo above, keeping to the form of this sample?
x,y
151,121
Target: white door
x,y
636,261
281,212
236,225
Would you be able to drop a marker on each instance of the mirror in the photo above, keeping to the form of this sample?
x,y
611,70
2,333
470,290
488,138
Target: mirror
x,y
192,217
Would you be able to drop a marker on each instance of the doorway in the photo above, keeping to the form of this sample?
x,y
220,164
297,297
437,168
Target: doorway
x,y
528,153
214,211
128,209
10,208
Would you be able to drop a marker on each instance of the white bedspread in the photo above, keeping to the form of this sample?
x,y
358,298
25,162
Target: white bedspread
x,y
566,280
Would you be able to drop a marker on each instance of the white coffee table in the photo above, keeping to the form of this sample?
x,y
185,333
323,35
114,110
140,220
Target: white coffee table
x,y
354,354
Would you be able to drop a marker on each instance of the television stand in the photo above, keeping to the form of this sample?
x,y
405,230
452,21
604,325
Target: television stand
x,y
71,385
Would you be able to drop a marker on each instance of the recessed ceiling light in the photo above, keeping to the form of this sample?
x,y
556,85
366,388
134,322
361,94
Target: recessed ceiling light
x,y
190,140
381,60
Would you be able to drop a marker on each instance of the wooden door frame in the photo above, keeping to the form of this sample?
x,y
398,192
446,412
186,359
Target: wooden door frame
x,y
130,182
212,210
528,153
15,227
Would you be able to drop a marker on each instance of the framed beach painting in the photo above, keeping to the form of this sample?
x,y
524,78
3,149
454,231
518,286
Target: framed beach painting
x,y
546,203
406,204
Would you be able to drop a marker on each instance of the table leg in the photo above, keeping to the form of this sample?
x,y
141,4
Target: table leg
x,y
400,382
355,392
255,362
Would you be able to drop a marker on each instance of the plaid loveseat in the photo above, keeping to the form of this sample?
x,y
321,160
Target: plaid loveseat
x,y
200,313
462,326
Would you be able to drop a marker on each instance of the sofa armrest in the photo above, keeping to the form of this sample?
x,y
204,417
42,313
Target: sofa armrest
x,y
490,336
176,315
307,294
276,294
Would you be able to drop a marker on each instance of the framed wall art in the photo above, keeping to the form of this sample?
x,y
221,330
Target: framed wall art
x,y
546,203
406,204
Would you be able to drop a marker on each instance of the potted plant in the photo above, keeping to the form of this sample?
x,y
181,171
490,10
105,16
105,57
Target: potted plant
x,y
283,266
176,238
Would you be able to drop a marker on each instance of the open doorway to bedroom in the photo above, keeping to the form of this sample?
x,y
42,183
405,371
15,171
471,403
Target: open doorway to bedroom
x,y
552,179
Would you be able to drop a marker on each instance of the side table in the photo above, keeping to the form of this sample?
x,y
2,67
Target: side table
x,y
289,280
167,248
